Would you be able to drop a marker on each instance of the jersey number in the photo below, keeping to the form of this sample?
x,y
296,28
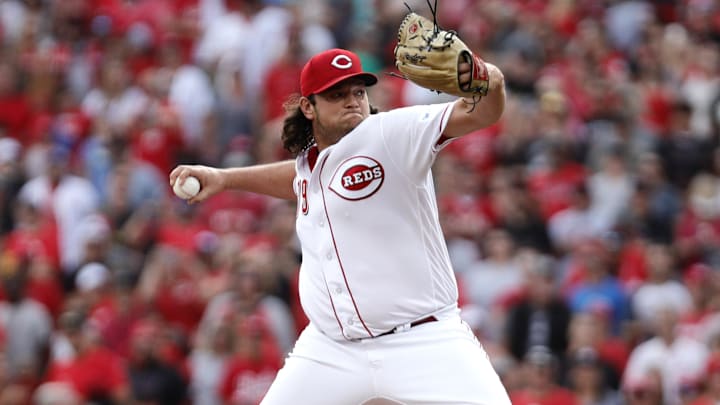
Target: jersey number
x,y
303,203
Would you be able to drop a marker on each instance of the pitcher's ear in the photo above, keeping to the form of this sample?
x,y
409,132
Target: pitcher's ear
x,y
307,108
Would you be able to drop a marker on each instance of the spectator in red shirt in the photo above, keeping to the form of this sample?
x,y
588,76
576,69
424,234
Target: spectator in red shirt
x,y
250,372
15,111
169,283
95,372
697,230
283,77
553,184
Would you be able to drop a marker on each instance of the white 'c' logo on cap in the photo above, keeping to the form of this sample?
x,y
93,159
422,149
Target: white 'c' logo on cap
x,y
342,62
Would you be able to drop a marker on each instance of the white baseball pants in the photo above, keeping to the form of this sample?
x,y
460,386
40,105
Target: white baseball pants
x,y
436,363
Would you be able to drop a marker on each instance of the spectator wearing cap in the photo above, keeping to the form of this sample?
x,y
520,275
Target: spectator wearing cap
x,y
542,388
108,304
588,378
677,358
96,238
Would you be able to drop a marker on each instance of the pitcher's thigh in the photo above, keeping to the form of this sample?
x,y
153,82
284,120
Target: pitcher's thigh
x,y
455,371
302,381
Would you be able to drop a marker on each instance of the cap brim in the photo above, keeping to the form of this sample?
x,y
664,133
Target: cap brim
x,y
369,79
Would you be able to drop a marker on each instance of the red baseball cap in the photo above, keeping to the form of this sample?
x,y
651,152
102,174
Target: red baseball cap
x,y
329,68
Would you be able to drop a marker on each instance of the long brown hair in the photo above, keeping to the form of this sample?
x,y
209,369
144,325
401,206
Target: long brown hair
x,y
297,129
297,134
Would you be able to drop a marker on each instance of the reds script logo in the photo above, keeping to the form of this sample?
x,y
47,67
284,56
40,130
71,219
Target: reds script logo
x,y
357,178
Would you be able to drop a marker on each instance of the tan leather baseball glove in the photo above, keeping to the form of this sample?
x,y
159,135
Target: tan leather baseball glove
x,y
430,56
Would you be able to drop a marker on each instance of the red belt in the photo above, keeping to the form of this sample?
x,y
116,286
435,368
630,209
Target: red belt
x,y
412,325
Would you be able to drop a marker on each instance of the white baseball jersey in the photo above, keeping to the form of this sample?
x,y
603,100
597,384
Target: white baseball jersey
x,y
374,255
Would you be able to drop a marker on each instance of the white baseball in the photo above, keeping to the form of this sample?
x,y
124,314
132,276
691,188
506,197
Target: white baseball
x,y
188,189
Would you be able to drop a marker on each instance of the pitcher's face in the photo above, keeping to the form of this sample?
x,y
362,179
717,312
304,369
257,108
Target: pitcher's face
x,y
337,111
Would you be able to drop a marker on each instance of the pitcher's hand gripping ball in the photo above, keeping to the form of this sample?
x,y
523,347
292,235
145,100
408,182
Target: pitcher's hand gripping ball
x,y
430,56
187,189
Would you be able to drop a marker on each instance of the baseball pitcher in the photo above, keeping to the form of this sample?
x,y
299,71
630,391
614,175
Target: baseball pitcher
x,y
376,280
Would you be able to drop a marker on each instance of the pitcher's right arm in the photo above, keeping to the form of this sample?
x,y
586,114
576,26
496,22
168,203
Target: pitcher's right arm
x,y
272,179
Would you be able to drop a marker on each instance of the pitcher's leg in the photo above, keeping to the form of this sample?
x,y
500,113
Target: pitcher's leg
x,y
320,372
439,364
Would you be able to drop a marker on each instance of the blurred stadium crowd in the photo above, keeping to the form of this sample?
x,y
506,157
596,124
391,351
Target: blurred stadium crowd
x,y
584,227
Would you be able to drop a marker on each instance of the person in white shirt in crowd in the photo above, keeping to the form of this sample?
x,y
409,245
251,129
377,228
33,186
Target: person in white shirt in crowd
x,y
573,224
610,190
496,274
114,98
66,198
677,358
661,290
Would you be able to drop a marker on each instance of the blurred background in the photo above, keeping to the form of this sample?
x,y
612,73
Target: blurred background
x,y
584,227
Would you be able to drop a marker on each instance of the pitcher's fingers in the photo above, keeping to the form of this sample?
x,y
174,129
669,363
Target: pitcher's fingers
x,y
202,195
464,67
179,173
174,175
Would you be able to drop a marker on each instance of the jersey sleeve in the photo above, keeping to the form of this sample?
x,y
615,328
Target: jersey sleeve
x,y
413,135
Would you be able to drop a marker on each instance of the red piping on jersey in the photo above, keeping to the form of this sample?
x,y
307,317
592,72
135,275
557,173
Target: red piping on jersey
x,y
337,253
337,318
442,138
